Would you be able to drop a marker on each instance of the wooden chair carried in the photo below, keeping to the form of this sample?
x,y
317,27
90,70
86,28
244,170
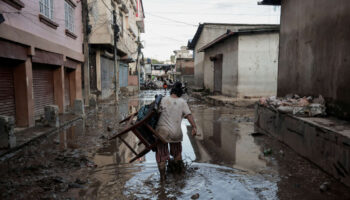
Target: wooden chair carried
x,y
142,130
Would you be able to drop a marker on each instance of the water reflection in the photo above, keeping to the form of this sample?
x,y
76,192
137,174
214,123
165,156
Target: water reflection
x,y
221,142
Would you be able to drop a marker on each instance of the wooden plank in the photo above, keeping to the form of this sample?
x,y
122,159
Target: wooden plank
x,y
127,144
139,123
130,120
126,119
142,153
156,134
143,140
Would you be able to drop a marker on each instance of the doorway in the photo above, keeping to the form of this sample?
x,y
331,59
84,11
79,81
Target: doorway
x,y
218,73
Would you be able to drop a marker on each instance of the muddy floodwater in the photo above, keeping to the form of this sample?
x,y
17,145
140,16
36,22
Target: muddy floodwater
x,y
227,160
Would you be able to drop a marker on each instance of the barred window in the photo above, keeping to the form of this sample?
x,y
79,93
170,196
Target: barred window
x,y
46,8
69,16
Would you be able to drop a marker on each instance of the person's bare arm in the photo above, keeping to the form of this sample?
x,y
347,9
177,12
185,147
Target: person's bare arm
x,y
193,124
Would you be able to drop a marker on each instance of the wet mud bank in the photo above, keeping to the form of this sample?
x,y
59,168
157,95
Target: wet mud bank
x,y
226,161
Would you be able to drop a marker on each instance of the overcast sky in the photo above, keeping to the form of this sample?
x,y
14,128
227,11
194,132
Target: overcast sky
x,y
170,24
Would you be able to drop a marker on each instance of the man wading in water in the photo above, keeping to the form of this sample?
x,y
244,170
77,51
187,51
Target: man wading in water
x,y
173,109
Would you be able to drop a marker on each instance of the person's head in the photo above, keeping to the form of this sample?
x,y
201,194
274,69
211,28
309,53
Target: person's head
x,y
177,89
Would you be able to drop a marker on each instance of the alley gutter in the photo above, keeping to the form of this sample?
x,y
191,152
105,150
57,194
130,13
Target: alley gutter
x,y
224,100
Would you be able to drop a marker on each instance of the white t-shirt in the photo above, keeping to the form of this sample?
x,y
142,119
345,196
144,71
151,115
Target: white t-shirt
x,y
169,124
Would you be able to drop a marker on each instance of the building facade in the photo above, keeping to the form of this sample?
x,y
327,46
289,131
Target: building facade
x,y
185,70
242,63
184,65
40,56
314,56
130,20
206,33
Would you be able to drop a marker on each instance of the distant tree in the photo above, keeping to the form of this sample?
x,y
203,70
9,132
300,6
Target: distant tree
x,y
155,61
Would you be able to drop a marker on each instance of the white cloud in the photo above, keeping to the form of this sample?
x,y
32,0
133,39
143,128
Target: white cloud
x,y
165,32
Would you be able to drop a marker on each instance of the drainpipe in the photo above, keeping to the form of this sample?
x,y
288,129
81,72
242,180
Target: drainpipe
x,y
116,66
86,30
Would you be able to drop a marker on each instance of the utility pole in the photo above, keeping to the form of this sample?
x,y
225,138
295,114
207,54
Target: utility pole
x,y
116,64
137,61
86,30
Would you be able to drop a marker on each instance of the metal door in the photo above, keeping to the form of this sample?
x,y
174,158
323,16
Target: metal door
x,y
123,74
7,94
66,89
218,73
107,77
42,88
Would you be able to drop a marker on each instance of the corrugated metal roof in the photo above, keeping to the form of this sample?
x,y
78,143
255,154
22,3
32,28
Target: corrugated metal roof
x,y
270,2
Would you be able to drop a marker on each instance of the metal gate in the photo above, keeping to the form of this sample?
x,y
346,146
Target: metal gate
x,y
7,94
218,73
123,74
107,77
66,89
43,89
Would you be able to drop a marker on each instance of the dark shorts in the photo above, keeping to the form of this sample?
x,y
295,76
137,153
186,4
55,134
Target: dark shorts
x,y
162,153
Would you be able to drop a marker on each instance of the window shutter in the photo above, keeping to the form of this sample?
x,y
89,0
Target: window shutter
x,y
51,9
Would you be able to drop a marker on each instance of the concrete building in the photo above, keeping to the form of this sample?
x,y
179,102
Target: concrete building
x,y
184,52
242,63
206,33
130,19
185,70
314,60
162,71
184,65
40,56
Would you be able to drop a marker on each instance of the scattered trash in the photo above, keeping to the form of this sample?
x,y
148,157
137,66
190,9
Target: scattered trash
x,y
195,196
294,104
267,152
325,187
281,152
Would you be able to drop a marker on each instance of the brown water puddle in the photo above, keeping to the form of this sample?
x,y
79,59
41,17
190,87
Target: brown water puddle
x,y
224,162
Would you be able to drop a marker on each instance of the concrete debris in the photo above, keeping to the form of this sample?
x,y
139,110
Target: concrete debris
x,y
195,196
325,187
267,152
294,104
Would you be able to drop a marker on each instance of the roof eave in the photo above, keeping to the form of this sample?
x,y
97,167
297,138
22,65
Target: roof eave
x,y
270,2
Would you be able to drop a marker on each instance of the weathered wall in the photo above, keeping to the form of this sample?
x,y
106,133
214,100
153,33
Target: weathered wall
x,y
211,32
229,66
257,64
107,77
314,138
102,32
27,20
133,80
314,51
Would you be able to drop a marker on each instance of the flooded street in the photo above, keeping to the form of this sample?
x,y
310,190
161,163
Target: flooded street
x,y
227,160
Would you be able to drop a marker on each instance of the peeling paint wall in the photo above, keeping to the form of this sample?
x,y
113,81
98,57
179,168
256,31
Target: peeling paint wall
x,y
229,66
257,64
314,51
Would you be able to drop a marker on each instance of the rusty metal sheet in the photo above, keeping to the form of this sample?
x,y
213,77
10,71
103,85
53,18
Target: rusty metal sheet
x,y
43,89
7,92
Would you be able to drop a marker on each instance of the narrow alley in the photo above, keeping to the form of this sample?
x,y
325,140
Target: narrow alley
x,y
165,99
225,161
